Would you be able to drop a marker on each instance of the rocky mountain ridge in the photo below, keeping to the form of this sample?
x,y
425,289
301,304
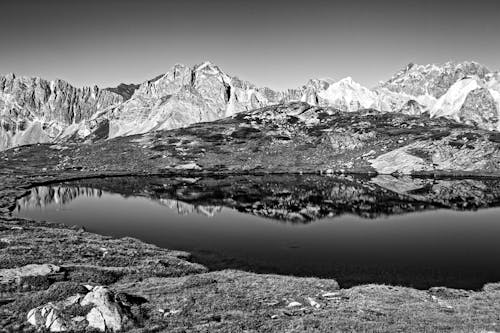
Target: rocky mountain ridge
x,y
34,110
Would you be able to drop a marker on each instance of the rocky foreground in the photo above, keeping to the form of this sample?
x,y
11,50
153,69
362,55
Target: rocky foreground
x,y
56,277
61,278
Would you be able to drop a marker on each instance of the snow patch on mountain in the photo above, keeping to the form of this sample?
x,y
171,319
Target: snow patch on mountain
x,y
450,103
471,100
348,95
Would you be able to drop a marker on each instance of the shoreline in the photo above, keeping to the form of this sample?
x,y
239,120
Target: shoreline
x,y
273,313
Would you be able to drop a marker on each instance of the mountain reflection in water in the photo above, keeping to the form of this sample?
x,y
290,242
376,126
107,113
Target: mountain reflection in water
x,y
362,233
285,197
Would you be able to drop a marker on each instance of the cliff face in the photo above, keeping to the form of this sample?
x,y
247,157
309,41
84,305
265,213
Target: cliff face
x,y
34,110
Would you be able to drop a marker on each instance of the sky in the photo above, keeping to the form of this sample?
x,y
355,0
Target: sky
x,y
279,44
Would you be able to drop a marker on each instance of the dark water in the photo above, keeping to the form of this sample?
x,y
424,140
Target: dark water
x,y
418,233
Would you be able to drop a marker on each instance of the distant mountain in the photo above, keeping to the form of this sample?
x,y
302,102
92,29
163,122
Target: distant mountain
x,y
34,110
471,100
466,92
433,80
186,95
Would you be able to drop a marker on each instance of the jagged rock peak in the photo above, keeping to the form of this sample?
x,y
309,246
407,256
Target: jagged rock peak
x,y
186,95
432,79
35,110
126,90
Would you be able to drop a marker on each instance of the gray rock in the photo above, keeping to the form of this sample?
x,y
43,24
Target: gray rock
x,y
480,109
11,275
439,155
105,314
48,317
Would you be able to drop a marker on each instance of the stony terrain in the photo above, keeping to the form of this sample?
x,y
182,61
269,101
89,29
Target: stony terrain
x,y
293,137
57,277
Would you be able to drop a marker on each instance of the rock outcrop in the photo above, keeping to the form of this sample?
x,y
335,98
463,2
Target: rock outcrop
x,y
100,309
15,278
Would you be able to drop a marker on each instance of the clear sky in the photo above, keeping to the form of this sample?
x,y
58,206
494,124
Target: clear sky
x,y
280,44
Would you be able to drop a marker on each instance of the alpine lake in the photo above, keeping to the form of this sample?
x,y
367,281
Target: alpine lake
x,y
414,232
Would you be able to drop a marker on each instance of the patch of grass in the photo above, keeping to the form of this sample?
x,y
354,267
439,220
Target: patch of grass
x,y
172,140
439,135
423,154
468,136
57,292
93,275
494,137
218,137
160,147
246,133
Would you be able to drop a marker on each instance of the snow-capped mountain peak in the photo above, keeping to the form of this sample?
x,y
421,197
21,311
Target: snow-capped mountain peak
x,y
35,110
348,95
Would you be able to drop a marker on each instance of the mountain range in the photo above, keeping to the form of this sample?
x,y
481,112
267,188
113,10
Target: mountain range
x,y
34,110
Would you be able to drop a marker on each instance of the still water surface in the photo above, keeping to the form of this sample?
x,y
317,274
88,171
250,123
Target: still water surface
x,y
420,249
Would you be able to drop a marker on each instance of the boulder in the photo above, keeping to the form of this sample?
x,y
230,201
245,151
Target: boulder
x,y
48,317
106,313
10,275
29,277
99,309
